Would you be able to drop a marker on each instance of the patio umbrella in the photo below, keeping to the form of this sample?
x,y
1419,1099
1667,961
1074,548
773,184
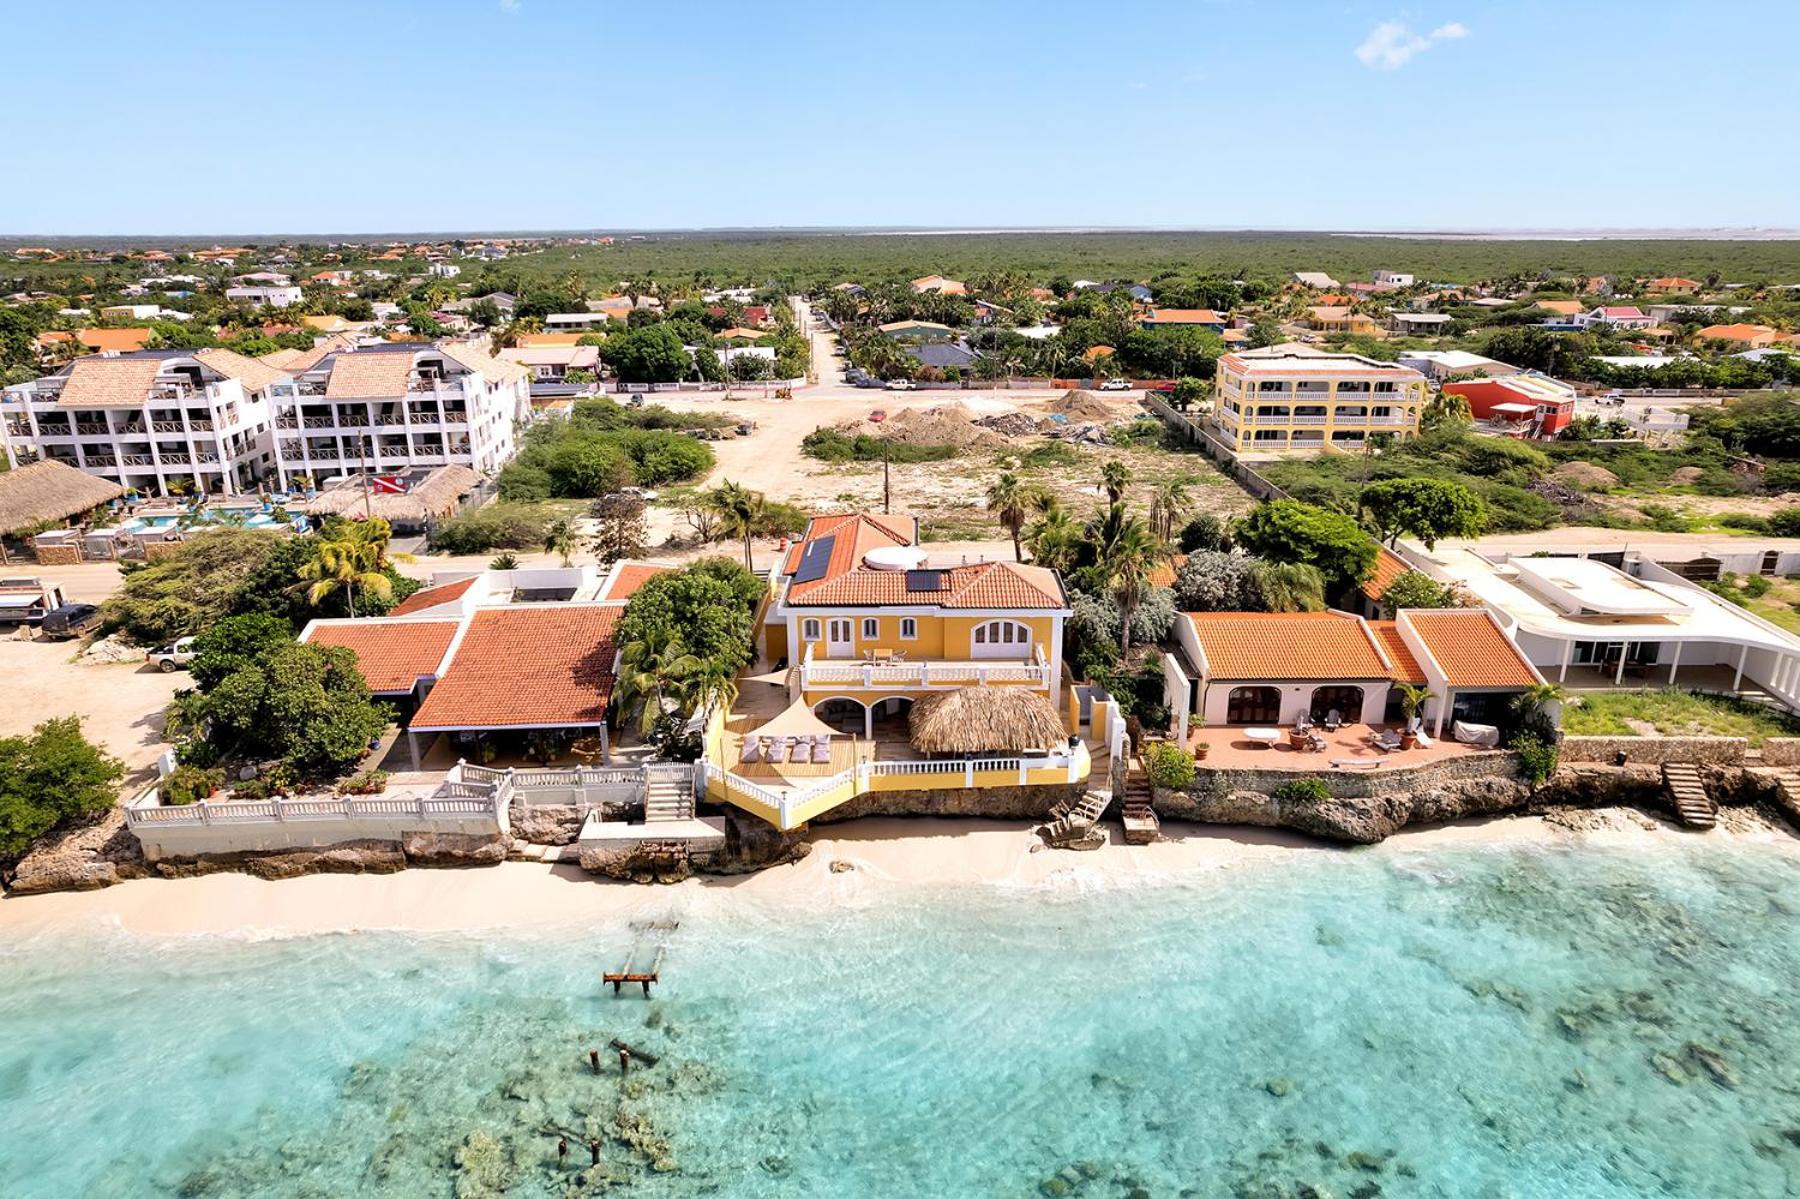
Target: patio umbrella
x,y
795,720
971,720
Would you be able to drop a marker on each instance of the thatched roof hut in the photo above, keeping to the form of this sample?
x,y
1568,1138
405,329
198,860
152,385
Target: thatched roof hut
x,y
972,720
49,491
433,497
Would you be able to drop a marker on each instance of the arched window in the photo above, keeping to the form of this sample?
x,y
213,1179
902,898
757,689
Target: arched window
x,y
1253,705
1001,639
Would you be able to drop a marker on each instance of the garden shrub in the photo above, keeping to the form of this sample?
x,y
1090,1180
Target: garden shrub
x,y
190,784
1308,790
1169,766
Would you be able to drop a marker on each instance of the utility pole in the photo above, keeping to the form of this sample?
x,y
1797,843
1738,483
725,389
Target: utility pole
x,y
885,490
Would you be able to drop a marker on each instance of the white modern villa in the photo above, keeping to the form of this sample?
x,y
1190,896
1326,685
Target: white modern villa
x,y
1615,618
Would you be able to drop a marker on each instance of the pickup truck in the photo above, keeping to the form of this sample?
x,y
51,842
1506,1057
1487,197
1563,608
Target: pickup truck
x,y
172,657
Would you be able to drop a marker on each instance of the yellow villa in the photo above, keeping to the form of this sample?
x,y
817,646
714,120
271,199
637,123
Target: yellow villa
x,y
889,670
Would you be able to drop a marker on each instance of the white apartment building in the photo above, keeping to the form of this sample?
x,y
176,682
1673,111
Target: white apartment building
x,y
158,421
272,297
1294,397
392,406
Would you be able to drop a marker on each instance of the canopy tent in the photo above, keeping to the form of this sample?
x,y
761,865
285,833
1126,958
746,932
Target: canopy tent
x,y
973,720
795,720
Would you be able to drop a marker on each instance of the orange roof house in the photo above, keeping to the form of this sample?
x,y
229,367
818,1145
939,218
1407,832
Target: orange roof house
x,y
940,285
1672,286
119,341
395,656
1754,337
1388,567
1563,307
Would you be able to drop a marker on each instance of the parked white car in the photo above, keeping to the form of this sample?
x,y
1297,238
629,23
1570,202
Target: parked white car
x,y
1116,385
901,385
172,657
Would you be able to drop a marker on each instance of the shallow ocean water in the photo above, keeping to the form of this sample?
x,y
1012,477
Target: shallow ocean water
x,y
1483,1021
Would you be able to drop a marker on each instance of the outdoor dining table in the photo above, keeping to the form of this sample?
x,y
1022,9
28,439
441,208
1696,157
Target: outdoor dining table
x,y
1265,737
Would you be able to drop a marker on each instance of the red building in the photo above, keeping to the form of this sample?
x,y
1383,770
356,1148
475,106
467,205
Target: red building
x,y
1522,405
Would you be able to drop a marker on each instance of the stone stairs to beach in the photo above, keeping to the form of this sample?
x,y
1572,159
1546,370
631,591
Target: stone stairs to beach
x,y
668,799
1141,824
1693,806
1787,793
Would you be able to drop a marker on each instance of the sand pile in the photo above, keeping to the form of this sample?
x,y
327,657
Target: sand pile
x,y
1584,476
1012,424
947,424
114,649
1079,406
1685,475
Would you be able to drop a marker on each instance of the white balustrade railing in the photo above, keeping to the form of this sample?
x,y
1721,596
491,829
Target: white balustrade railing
x,y
922,674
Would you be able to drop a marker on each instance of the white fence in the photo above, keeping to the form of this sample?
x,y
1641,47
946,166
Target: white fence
x,y
921,674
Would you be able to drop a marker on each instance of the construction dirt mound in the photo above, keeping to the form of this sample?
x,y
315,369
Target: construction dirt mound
x,y
947,424
1584,476
1079,406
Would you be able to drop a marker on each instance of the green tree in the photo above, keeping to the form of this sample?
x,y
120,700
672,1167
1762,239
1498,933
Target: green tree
x,y
1416,589
650,354
197,586
1285,587
1055,540
234,643
1115,476
51,779
1290,531
740,511
1009,500
1428,509
1168,504
307,704
1188,392
352,557
1125,552
559,539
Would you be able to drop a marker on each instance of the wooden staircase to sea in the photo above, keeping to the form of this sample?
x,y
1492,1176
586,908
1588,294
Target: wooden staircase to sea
x,y
1693,806
1141,824
1077,825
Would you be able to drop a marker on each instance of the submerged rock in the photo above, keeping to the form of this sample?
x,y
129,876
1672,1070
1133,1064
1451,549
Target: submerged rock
x,y
1279,1087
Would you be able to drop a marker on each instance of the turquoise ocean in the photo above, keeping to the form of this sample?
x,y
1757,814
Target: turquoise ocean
x,y
1492,1021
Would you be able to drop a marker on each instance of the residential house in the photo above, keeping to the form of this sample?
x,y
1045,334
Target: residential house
x,y
917,331
98,341
391,407
1331,319
504,301
1672,286
155,421
1521,405
1192,318
1751,337
1419,324
132,312
1293,397
270,297
941,355
1317,280
986,312
1392,279
578,322
1438,365
1270,669
939,285
445,270
1615,618
1620,316
551,364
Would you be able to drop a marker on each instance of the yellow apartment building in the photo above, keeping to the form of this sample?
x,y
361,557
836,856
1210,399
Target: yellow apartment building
x,y
1295,397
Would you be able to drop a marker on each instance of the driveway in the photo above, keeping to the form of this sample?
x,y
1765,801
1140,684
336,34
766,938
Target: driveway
x,y
120,706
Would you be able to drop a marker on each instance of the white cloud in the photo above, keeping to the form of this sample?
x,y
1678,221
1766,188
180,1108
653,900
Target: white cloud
x,y
509,6
1392,44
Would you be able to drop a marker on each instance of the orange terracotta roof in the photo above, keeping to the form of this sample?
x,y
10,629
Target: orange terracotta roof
x,y
109,382
1388,567
1562,307
985,585
1738,332
1183,316
527,666
1469,648
393,655
1406,666
1164,572
861,532
368,376
119,340
432,597
1287,645
549,339
629,577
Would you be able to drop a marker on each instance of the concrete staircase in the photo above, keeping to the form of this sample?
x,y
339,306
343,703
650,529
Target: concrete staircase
x,y
668,798
1693,806
1787,794
1141,824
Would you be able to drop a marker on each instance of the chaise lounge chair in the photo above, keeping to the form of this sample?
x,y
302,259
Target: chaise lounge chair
x,y
1387,743
775,752
821,749
752,752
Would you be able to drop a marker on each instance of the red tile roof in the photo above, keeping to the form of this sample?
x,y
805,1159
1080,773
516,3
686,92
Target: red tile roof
x,y
1469,648
1164,572
1406,666
631,576
985,585
526,666
1388,567
431,597
855,533
393,655
1287,645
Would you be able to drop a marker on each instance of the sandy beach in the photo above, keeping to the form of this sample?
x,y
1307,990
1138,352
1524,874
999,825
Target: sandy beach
x,y
883,855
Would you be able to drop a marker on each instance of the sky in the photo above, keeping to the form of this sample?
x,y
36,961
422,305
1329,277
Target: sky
x,y
469,115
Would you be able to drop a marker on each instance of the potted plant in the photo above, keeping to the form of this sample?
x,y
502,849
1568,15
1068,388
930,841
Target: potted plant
x,y
1413,699
1201,749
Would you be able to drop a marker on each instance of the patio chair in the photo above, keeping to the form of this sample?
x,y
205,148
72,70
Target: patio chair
x,y
751,752
1387,743
1315,743
1334,720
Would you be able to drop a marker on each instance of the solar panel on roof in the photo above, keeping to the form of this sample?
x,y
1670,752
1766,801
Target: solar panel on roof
x,y
813,560
924,580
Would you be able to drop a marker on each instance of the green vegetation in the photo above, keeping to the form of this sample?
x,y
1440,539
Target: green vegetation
x,y
683,638
602,448
50,780
1290,531
1672,713
190,784
1169,766
1307,791
305,704
829,445
495,526
1537,757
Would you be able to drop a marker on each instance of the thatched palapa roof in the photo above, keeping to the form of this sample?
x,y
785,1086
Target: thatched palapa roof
x,y
973,720
49,491
433,496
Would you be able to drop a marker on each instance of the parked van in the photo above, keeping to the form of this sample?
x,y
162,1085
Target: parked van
x,y
70,620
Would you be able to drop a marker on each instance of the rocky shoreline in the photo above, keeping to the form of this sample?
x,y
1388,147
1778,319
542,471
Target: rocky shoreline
x,y
105,853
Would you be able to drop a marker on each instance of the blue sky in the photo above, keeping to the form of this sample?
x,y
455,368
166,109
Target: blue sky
x,y
521,114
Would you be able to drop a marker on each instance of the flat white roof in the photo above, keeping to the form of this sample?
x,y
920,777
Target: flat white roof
x,y
1450,358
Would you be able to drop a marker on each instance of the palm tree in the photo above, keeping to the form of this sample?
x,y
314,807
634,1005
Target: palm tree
x,y
1055,540
1115,476
1289,586
559,538
740,512
652,674
504,561
1413,698
1125,552
1168,504
346,564
1535,700
1009,499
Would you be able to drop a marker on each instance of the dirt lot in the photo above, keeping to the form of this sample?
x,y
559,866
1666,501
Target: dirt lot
x,y
120,706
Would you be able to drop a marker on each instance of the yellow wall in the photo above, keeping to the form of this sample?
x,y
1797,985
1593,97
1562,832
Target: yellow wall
x,y
775,641
946,637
